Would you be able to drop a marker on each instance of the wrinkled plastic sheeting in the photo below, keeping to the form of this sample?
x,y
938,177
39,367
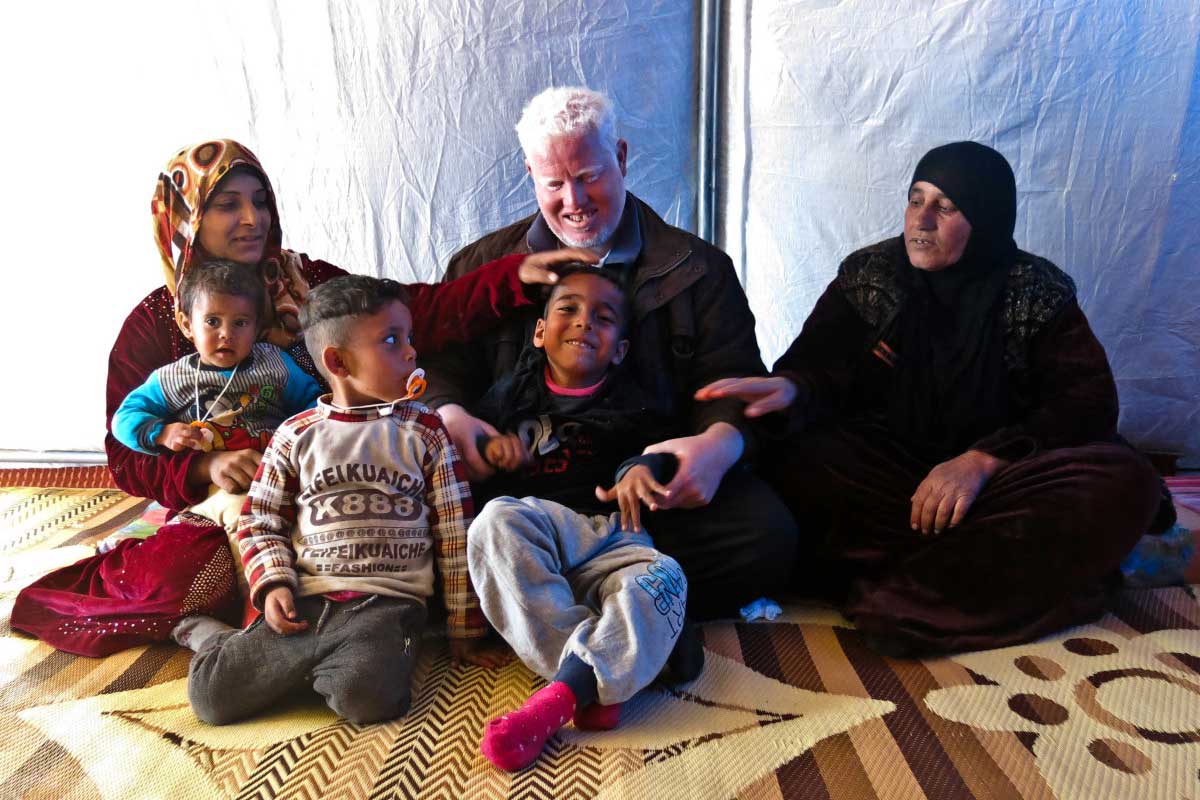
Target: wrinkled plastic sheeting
x,y
1097,106
388,127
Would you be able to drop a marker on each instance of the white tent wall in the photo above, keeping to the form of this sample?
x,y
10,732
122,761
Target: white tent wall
x,y
386,127
829,105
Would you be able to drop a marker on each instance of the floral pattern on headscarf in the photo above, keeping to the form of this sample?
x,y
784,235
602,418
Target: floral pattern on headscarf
x,y
178,207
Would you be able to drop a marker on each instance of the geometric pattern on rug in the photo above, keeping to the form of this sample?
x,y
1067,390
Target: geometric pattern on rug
x,y
794,708
94,477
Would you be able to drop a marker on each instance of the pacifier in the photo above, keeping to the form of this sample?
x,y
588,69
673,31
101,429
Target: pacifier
x,y
205,433
416,384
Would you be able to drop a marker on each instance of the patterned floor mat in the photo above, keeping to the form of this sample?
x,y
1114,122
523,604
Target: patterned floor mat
x,y
797,708
94,477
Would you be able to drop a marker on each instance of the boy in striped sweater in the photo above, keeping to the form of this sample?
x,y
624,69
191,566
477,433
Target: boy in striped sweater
x,y
354,502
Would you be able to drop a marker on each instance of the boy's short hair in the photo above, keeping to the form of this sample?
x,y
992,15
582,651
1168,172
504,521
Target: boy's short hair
x,y
220,276
331,308
614,276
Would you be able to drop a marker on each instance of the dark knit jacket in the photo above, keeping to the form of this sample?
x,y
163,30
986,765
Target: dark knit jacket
x,y
578,443
1061,387
1036,293
692,324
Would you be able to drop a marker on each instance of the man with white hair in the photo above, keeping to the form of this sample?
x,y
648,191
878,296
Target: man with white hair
x,y
731,534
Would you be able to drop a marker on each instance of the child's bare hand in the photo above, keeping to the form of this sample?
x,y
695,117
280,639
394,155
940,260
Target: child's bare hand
x,y
507,452
179,436
479,653
280,610
636,486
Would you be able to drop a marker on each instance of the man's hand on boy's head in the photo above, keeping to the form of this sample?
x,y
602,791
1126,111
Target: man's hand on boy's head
x,y
178,436
506,452
479,652
539,267
280,610
636,486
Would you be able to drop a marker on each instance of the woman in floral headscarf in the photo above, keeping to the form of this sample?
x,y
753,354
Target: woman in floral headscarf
x,y
214,200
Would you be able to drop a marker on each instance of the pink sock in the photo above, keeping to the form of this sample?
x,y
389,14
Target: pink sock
x,y
597,717
514,740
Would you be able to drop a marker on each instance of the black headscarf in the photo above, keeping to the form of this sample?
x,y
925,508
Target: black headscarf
x,y
951,384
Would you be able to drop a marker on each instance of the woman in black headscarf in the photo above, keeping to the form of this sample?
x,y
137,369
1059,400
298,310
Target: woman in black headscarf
x,y
951,429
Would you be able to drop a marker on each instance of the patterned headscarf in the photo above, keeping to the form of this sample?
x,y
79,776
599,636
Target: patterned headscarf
x,y
180,196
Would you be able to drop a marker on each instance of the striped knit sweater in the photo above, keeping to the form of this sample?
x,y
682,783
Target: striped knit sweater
x,y
362,500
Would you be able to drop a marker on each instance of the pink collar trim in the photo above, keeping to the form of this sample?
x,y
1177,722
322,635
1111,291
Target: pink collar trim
x,y
562,390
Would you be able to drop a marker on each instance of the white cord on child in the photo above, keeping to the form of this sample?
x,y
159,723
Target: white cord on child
x,y
212,405
415,385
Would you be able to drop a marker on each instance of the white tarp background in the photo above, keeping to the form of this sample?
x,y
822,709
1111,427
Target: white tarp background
x,y
386,128
829,105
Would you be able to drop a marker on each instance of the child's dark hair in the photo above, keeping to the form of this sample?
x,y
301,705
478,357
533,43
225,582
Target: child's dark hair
x,y
614,276
219,276
330,309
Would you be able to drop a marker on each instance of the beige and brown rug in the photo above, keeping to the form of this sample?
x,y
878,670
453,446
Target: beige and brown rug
x,y
797,708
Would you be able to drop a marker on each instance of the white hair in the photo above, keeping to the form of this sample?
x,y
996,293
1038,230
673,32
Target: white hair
x,y
566,111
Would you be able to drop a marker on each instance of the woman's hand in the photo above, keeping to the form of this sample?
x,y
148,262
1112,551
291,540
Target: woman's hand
x,y
280,610
539,267
231,470
763,395
949,490
177,436
636,486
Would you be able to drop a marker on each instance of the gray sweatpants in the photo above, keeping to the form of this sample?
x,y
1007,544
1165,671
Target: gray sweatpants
x,y
556,583
360,657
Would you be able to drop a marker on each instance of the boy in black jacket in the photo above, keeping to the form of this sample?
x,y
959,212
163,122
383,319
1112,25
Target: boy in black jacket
x,y
577,590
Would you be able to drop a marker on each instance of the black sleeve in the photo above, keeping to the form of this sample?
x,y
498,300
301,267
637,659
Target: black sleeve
x,y
822,360
662,466
1074,397
725,344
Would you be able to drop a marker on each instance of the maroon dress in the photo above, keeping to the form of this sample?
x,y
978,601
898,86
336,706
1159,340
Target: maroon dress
x,y
1035,552
137,592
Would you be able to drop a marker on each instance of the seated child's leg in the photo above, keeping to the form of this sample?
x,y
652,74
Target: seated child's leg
x,y
225,509
597,717
365,657
194,631
222,507
520,553
626,601
589,715
641,596
514,741
238,673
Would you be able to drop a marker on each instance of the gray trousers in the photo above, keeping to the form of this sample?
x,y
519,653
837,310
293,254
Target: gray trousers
x,y
556,583
360,657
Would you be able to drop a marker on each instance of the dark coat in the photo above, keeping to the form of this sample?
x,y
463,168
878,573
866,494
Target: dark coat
x,y
1061,388
692,325
578,443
